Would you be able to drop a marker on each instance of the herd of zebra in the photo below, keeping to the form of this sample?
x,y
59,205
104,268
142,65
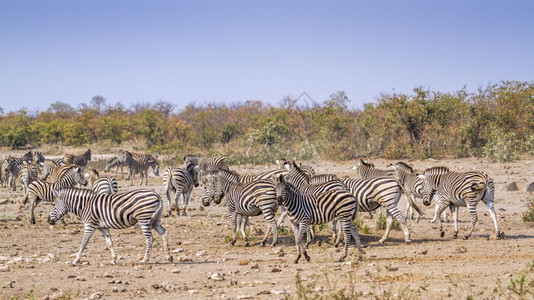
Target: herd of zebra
x,y
305,198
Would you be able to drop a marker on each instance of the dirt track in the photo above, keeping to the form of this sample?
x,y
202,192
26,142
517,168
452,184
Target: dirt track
x,y
35,259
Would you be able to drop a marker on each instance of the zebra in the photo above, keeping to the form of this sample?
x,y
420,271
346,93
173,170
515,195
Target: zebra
x,y
211,164
181,181
455,189
117,211
413,185
47,168
304,210
27,174
115,162
37,157
41,190
139,163
367,170
191,159
3,180
11,168
102,184
246,199
79,160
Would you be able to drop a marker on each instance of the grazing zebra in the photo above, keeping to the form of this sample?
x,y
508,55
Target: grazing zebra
x,y
139,163
367,170
115,162
181,181
455,189
79,160
246,199
27,174
105,184
304,210
41,190
211,164
117,211
413,185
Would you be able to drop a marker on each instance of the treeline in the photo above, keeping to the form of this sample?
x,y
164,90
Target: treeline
x,y
496,122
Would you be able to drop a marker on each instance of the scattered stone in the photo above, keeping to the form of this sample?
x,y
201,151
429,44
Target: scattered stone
x,y
279,252
530,187
244,262
178,250
193,292
512,187
4,202
217,277
71,276
255,266
201,253
4,268
243,297
175,271
107,275
184,258
276,270
115,289
75,231
424,251
461,249
80,278
277,292
201,208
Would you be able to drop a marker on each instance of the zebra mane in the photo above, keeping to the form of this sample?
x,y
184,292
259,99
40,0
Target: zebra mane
x,y
436,170
367,164
404,166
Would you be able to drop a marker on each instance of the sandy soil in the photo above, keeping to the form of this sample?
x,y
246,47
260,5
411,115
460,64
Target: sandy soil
x,y
35,259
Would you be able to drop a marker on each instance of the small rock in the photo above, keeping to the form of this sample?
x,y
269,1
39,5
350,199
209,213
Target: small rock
x,y
279,252
512,187
178,250
80,278
276,270
9,284
107,275
4,201
254,266
193,292
96,295
244,262
4,268
530,187
217,277
115,289
201,208
424,251
175,271
201,253
71,276
243,297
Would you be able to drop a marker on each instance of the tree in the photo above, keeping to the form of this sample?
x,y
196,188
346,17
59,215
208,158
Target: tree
x,y
61,108
338,100
98,102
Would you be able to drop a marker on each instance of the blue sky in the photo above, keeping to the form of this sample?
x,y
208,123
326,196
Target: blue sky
x,y
232,51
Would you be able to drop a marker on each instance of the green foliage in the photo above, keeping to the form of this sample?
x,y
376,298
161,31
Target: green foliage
x,y
496,122
528,215
362,227
381,223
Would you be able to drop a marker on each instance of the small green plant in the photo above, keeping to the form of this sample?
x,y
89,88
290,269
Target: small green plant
x,y
31,294
528,215
282,230
520,287
228,238
382,220
362,227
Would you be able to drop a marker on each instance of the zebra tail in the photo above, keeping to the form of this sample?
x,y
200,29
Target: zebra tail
x,y
156,217
410,200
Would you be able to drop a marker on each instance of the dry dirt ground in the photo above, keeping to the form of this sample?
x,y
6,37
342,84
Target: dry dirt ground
x,y
35,259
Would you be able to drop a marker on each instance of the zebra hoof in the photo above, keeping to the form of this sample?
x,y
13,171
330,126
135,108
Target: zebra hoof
x,y
184,213
433,221
307,257
466,237
171,259
381,241
297,259
408,241
273,245
113,263
247,244
442,233
455,236
262,244
500,236
32,222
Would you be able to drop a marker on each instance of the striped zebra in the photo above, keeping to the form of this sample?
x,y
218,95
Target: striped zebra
x,y
37,157
245,199
47,168
305,210
43,191
211,164
466,189
413,185
117,211
3,177
11,168
102,184
79,160
191,159
139,163
181,181
27,174
367,170
115,162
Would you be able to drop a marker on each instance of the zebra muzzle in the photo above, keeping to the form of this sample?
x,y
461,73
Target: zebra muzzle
x,y
52,222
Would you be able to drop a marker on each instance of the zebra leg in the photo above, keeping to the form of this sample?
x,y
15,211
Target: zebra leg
x,y
234,226
474,217
269,216
301,250
335,230
338,234
345,224
454,210
185,201
241,222
142,175
107,236
442,206
87,233
282,217
389,223
491,210
131,178
165,237
356,235
33,202
169,193
146,228
435,213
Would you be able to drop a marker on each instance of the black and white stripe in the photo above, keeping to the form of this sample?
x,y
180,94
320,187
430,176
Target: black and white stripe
x,y
181,181
27,174
115,162
48,167
79,160
245,199
43,191
102,184
367,170
117,211
211,164
139,163
305,210
455,189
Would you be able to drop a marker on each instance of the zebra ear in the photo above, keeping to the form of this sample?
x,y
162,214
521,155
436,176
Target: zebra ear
x,y
286,165
421,176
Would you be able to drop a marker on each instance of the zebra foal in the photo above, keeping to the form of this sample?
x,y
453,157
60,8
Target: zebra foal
x,y
116,211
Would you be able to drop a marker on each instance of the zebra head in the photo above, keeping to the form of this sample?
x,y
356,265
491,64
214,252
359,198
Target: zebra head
x,y
155,168
209,190
193,171
115,161
59,210
280,188
429,188
79,177
219,189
